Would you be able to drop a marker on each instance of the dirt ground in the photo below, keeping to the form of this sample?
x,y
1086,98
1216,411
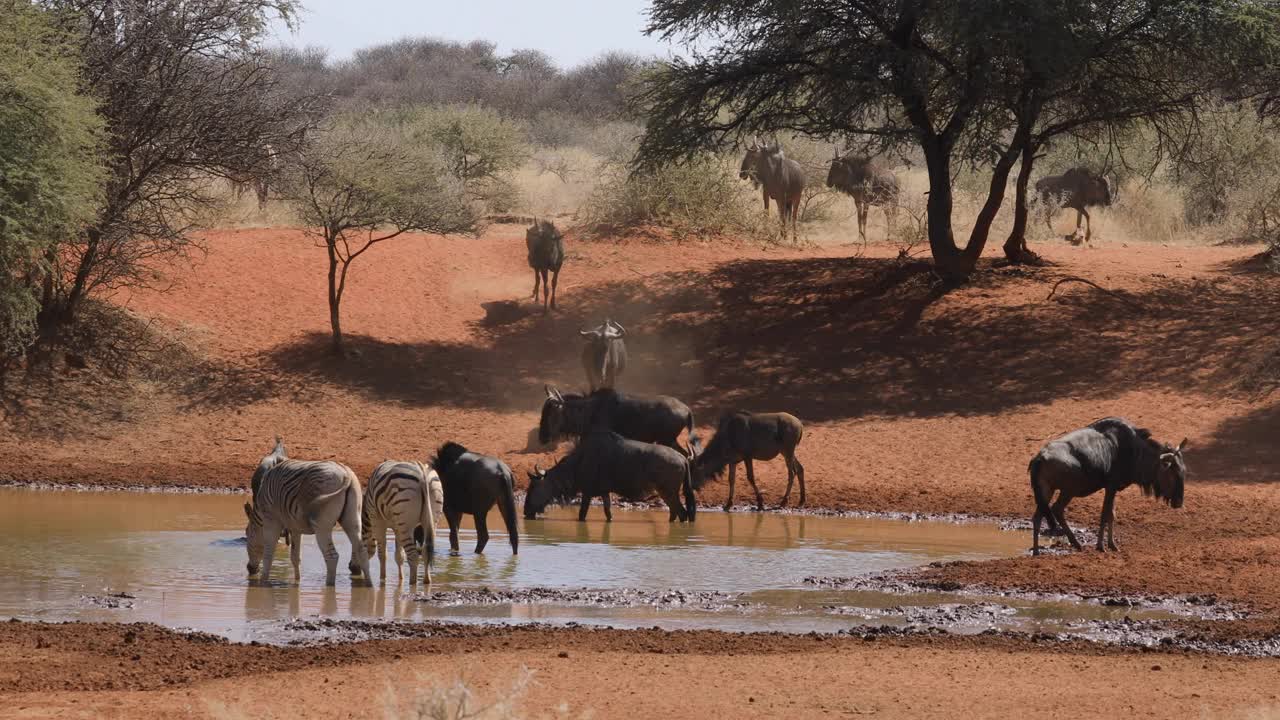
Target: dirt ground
x,y
914,398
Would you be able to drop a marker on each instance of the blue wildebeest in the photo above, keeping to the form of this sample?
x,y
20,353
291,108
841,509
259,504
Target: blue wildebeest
x,y
1109,454
472,485
546,255
604,356
260,179
606,463
1078,189
653,419
402,496
302,498
868,182
780,177
742,437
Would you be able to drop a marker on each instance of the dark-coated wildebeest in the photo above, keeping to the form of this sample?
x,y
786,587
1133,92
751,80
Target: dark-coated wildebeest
x,y
604,354
1078,189
647,418
780,177
546,255
472,484
606,463
744,437
868,182
1109,454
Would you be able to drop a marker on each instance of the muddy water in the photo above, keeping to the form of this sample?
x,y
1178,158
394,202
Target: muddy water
x,y
179,560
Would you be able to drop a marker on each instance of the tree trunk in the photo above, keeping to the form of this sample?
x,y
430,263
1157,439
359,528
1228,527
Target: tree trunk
x,y
335,297
1015,248
942,242
995,198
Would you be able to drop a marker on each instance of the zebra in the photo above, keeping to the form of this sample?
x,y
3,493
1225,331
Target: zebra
x,y
405,497
302,498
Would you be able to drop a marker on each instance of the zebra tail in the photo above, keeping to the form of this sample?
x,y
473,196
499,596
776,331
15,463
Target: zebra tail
x,y
427,521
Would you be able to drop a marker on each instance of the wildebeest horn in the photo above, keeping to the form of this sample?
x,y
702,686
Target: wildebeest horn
x,y
587,333
835,149
1181,446
621,330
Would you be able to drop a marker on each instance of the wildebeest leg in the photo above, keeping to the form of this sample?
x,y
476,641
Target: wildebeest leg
x,y
555,280
800,476
546,291
608,513
537,280
890,217
791,477
454,518
863,212
728,504
1059,510
1035,531
1108,502
482,529
751,478
1088,224
586,505
765,193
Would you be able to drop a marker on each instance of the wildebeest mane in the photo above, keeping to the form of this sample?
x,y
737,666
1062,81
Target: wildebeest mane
x,y
447,456
1139,454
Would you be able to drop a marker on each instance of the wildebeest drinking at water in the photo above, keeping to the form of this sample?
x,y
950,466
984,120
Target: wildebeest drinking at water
x,y
546,254
743,437
604,462
1109,454
656,419
780,178
604,356
473,484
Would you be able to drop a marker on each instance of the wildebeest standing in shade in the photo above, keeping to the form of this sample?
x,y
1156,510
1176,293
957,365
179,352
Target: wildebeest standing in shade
x,y
604,356
1078,189
868,182
743,437
780,178
546,255
606,463
472,484
647,418
1109,454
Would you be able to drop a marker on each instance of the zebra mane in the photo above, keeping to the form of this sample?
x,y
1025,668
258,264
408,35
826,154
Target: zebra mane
x,y
447,456
276,457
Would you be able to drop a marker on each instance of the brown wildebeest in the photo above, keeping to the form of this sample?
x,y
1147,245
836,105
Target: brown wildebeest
x,y
546,254
868,182
1109,454
604,356
780,177
1078,189
743,437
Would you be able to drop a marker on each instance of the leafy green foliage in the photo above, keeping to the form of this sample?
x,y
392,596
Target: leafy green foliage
x,y
479,148
50,169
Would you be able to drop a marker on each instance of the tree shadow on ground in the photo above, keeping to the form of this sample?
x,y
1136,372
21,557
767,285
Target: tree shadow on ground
x,y
1241,451
827,339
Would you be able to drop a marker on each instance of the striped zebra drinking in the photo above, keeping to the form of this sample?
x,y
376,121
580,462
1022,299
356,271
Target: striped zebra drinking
x,y
405,497
303,498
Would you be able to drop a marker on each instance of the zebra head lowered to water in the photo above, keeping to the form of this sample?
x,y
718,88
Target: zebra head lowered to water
x,y
302,498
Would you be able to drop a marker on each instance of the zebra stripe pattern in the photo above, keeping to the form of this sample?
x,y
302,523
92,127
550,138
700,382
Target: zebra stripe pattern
x,y
404,497
303,498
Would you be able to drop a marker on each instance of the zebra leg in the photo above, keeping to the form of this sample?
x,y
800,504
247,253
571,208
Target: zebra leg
x,y
324,539
271,534
381,543
482,530
733,471
295,555
751,478
409,549
454,518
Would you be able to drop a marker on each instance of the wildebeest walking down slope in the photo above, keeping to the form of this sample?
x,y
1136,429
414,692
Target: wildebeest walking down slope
x,y
1078,189
546,254
604,356
780,178
1109,454
742,437
473,483
605,462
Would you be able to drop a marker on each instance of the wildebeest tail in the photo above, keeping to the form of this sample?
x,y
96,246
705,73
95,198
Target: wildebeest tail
x,y
690,500
507,505
1042,502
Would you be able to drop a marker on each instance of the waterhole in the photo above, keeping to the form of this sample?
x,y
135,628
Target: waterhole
x,y
179,560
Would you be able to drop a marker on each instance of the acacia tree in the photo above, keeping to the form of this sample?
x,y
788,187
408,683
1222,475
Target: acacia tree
x,y
960,79
186,95
50,169
361,183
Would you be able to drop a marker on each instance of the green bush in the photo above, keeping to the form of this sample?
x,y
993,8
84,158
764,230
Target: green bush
x,y
479,147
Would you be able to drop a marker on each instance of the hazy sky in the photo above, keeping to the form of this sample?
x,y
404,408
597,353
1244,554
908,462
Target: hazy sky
x,y
570,31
